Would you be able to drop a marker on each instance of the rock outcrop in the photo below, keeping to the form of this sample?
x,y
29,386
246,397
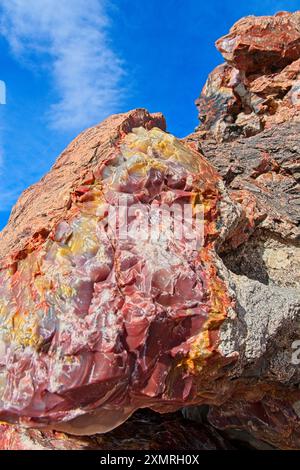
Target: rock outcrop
x,y
144,271
258,86
250,113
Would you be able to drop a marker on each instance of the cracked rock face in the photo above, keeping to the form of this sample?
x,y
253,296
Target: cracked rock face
x,y
259,85
95,325
249,110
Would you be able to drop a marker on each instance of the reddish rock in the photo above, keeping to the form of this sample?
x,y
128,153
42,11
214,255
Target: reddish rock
x,y
262,44
42,205
251,119
273,421
143,431
259,86
95,325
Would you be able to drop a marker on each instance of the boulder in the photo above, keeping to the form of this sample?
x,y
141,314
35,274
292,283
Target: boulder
x,y
103,311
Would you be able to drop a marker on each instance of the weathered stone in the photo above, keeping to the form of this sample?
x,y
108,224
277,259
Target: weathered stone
x,y
143,431
259,86
252,138
265,166
262,44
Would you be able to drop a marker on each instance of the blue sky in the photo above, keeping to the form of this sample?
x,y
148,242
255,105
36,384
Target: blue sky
x,y
67,64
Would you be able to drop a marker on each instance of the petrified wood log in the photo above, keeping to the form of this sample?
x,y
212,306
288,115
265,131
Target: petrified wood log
x,y
250,122
95,325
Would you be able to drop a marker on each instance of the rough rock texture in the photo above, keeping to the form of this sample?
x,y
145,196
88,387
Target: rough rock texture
x,y
143,431
259,85
250,111
94,325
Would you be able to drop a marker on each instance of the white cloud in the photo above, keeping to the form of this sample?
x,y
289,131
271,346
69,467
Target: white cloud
x,y
73,36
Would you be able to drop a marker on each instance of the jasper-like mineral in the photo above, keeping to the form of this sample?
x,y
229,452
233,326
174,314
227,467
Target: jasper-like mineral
x,y
95,325
102,315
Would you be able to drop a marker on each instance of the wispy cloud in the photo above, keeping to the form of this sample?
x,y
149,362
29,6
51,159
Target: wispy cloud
x,y
73,37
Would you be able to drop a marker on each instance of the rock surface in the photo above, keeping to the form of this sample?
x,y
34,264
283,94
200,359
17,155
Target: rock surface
x,y
143,431
259,85
250,111
95,325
